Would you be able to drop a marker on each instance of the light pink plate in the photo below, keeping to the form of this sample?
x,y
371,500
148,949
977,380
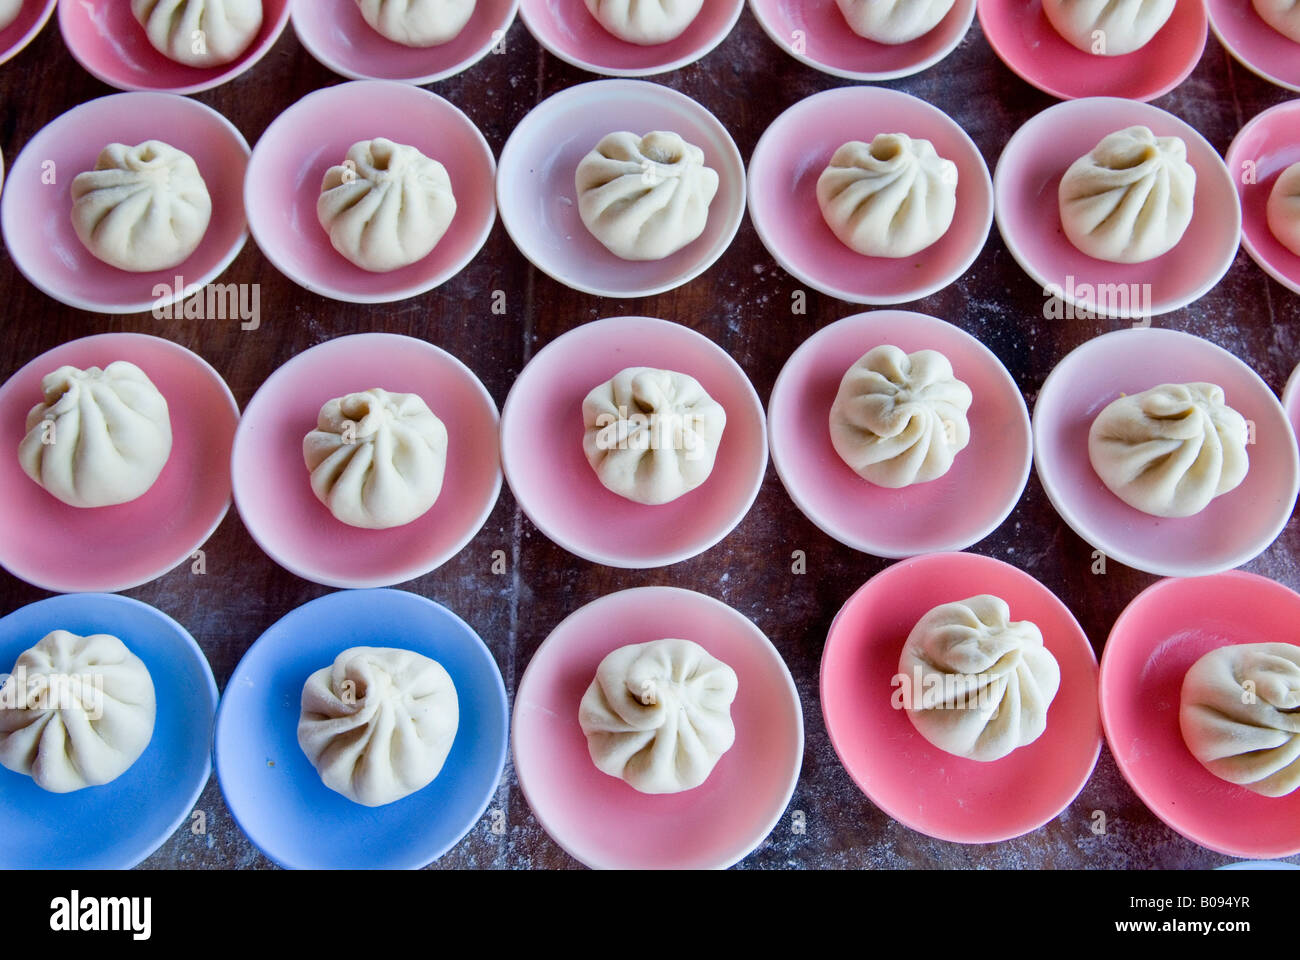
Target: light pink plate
x,y
1025,40
960,508
541,445
601,820
796,148
31,20
1291,400
1262,50
1235,527
36,213
104,549
1029,174
1167,628
916,783
290,160
1266,146
273,487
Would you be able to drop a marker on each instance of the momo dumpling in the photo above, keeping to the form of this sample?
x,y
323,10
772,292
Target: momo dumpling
x,y
376,458
980,683
386,206
9,10
658,715
645,22
200,33
417,23
894,21
378,723
892,197
900,418
1129,200
76,712
646,197
1284,209
142,208
1108,28
651,435
1170,450
1239,711
1282,15
99,438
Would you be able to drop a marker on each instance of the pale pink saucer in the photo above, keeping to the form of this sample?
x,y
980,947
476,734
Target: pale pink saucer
x,y
916,783
31,20
1025,40
541,445
602,821
273,487
106,549
960,508
1257,46
36,214
793,152
105,38
1235,527
1160,634
1028,213
290,160
538,197
1291,400
570,32
816,34
335,33
1266,146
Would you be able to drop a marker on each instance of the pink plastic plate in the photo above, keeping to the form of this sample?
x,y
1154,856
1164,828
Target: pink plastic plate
x,y
105,38
1265,147
815,33
36,214
1025,40
31,20
960,508
290,160
1291,400
794,151
541,445
568,30
1026,181
601,820
916,783
1258,47
273,488
1167,628
1235,527
105,549
538,197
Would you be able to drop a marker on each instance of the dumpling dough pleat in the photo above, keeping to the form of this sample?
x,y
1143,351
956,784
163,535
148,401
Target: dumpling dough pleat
x,y
645,22
417,23
1108,28
1284,209
894,21
200,33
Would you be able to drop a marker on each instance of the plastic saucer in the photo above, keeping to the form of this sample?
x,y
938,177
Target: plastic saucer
x,y
30,22
1266,146
1257,46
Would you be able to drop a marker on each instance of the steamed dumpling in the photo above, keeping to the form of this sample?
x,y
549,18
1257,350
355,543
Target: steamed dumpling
x,y
892,197
1130,199
376,458
980,682
1240,715
1282,15
9,10
646,197
1284,209
1109,28
200,33
378,723
645,22
1170,450
658,715
651,435
894,21
76,712
142,208
900,418
99,438
417,23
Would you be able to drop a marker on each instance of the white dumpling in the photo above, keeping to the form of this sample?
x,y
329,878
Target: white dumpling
x,y
200,33
652,435
658,715
376,458
645,22
99,438
1170,450
892,197
646,197
9,10
1284,209
980,683
1108,28
378,723
894,21
1282,15
76,712
1240,715
417,23
1129,200
386,206
142,208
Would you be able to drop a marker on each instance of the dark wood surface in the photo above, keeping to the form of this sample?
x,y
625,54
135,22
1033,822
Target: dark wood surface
x,y
742,304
